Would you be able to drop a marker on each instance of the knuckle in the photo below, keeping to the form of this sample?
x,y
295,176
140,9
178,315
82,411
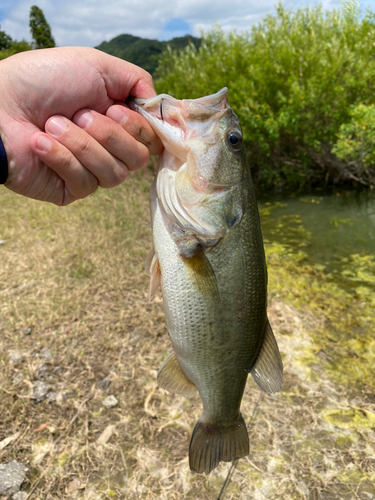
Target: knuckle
x,y
82,149
109,142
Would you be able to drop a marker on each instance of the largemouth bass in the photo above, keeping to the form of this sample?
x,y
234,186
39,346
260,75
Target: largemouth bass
x,y
208,258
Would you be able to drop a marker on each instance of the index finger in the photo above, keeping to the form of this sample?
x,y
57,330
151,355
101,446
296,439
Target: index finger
x,y
136,126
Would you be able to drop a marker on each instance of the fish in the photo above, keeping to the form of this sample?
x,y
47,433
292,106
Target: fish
x,y
208,258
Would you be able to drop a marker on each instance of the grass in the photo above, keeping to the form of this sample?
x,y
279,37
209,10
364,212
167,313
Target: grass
x,y
72,280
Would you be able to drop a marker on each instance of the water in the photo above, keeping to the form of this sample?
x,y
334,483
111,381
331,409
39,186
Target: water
x,y
330,228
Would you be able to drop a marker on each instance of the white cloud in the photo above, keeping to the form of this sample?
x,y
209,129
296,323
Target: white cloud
x,y
89,22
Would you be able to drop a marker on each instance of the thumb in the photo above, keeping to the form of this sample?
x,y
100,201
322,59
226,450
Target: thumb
x,y
123,78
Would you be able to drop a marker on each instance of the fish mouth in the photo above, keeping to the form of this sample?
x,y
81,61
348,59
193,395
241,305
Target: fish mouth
x,y
177,121
163,113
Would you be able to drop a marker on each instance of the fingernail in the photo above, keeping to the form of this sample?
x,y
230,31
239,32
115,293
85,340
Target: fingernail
x,y
56,126
84,120
43,143
117,114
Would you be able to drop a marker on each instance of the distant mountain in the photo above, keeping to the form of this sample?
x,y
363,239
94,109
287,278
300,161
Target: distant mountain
x,y
142,51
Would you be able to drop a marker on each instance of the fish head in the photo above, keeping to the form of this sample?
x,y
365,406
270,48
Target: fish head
x,y
204,133
202,183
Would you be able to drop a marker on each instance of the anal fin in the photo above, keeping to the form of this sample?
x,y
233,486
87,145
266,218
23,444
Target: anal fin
x,y
152,268
267,370
172,378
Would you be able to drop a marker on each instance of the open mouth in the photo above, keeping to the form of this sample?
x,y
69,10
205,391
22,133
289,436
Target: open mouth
x,y
175,120
162,112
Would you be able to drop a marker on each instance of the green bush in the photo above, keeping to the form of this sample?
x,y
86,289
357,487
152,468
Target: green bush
x,y
356,142
293,80
14,48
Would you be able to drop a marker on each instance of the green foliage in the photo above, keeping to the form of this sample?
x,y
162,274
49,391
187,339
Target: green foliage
x,y
5,40
40,29
15,48
142,51
8,47
356,141
292,80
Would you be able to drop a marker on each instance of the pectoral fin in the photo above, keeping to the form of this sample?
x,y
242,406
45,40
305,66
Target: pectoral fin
x,y
172,378
153,269
201,274
267,370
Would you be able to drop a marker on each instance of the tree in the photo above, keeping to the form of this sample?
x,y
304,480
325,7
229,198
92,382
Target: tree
x,y
8,46
5,40
40,29
15,48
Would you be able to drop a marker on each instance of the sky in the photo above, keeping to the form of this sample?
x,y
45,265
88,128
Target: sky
x,y
90,22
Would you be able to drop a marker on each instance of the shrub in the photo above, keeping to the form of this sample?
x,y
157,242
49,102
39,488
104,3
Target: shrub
x,y
14,48
356,142
293,80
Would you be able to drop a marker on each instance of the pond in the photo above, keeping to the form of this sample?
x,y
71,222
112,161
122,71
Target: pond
x,y
333,230
321,259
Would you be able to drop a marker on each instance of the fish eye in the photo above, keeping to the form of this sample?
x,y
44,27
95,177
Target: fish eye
x,y
235,140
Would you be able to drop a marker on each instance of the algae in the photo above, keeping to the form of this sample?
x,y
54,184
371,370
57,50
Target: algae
x,y
341,294
350,418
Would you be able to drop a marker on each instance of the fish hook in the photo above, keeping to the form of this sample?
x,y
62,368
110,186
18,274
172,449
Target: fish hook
x,y
161,108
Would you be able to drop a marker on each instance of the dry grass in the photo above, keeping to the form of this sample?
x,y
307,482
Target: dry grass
x,y
74,276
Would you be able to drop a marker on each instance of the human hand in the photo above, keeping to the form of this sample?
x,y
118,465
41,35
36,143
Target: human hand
x,y
63,125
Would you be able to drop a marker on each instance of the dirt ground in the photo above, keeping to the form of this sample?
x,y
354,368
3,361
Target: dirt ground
x,y
76,328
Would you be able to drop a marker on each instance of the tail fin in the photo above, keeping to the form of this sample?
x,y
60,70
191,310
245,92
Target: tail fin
x,y
210,444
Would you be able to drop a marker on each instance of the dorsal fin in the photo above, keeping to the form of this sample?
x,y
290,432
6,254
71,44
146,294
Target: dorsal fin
x,y
172,378
267,370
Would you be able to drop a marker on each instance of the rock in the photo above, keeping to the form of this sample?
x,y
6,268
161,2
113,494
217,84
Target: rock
x,y
40,390
2,243
12,475
27,331
106,435
46,354
21,495
17,379
105,383
56,397
110,402
42,370
16,357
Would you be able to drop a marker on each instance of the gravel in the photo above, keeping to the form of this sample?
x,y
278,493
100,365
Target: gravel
x,y
21,495
110,402
46,354
12,475
40,390
105,383
16,357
